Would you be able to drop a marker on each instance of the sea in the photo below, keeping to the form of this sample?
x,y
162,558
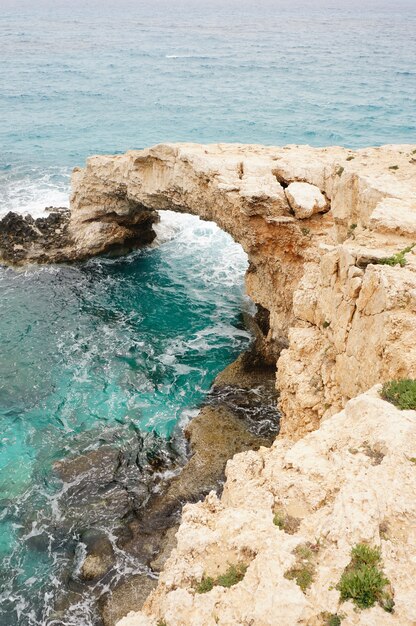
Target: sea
x,y
124,350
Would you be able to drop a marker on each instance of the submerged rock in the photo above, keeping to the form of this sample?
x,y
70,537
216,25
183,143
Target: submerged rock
x,y
128,595
100,556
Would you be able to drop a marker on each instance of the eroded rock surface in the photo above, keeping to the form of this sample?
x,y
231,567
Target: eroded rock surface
x,y
353,480
334,313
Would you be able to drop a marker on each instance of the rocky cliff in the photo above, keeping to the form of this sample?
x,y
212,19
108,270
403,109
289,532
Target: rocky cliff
x,y
288,518
330,237
321,228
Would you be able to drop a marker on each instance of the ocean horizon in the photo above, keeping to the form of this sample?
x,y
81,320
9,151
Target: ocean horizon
x,y
103,353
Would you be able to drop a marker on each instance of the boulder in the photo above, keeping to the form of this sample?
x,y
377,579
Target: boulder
x,y
306,199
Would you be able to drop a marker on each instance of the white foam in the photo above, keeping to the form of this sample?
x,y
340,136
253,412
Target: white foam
x,y
31,193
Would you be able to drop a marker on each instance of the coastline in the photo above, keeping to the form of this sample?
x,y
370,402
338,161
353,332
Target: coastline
x,y
330,236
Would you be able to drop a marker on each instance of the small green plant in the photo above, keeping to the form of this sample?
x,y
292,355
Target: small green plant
x,y
161,622
413,459
279,520
351,230
339,170
233,575
286,522
393,167
332,619
395,259
363,586
363,581
350,158
326,324
305,231
205,585
362,554
401,393
304,570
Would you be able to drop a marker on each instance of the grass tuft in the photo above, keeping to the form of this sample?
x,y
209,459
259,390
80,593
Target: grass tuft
x,y
395,259
362,554
332,619
363,580
303,571
401,393
286,522
233,575
205,585
279,520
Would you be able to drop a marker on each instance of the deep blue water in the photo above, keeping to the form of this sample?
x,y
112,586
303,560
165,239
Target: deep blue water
x,y
93,352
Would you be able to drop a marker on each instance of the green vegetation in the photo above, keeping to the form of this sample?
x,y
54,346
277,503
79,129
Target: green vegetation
x,y
413,459
304,570
279,520
395,259
206,584
332,619
286,522
362,554
401,393
233,575
326,324
339,170
350,158
363,580
161,622
393,167
305,231
351,230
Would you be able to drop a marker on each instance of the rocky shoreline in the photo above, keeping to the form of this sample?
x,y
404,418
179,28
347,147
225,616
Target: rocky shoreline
x,y
137,492
330,236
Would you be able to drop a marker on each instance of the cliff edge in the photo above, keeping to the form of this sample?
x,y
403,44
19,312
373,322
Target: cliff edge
x,y
288,518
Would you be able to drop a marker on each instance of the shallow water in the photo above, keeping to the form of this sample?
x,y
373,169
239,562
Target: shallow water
x,y
106,351
94,353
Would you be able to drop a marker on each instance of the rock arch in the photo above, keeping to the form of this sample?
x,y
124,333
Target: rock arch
x,y
314,223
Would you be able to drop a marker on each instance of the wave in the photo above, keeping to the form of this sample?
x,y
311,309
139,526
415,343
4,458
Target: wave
x,y
27,190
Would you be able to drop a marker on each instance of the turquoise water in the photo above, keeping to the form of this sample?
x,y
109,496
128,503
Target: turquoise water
x,y
93,354
106,351
93,76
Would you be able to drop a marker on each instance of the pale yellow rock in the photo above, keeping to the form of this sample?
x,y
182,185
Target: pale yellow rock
x,y
305,199
350,481
314,275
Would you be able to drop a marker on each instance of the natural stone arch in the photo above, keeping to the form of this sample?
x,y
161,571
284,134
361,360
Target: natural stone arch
x,y
311,249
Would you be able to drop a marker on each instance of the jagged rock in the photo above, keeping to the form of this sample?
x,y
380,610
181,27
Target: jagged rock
x,y
306,199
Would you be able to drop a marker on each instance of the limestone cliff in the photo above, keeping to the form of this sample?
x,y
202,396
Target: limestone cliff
x,y
329,234
294,507
315,224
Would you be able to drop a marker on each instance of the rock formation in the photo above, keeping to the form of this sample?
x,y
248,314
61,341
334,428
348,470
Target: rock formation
x,y
315,224
295,510
330,237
